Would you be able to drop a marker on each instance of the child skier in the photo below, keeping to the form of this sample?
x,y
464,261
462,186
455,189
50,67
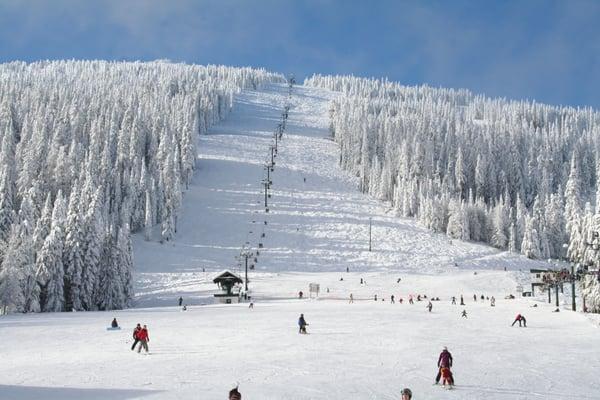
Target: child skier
x,y
519,318
143,338
446,376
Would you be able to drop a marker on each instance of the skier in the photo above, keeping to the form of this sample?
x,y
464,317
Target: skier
x,y
446,376
453,300
399,279
492,301
462,300
180,301
251,305
144,339
444,361
401,300
464,314
410,299
474,297
429,306
361,281
184,307
347,269
114,323
300,294
482,297
375,298
234,394
406,394
392,299
136,332
302,324
351,298
418,297
519,318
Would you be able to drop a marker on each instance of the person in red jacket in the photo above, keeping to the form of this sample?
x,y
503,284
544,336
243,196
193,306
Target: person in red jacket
x,y
520,319
136,331
143,338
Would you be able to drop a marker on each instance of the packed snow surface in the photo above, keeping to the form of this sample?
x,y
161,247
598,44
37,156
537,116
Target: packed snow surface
x,y
317,226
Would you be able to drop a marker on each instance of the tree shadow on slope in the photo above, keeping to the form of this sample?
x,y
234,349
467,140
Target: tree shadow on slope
x,y
17,392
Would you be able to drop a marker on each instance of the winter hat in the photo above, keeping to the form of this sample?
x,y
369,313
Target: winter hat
x,y
445,348
234,394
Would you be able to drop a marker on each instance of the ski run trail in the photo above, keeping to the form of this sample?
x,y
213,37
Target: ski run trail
x,y
316,227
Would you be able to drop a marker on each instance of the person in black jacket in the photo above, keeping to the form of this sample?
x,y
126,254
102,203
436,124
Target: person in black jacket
x,y
302,324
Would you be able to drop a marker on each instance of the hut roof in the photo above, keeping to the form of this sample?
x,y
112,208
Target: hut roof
x,y
227,276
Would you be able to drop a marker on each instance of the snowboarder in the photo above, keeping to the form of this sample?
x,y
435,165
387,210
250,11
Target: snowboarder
x,y
406,394
302,324
114,324
444,361
144,339
136,332
464,314
392,299
184,307
180,301
493,301
462,300
520,319
453,300
429,306
234,394
351,298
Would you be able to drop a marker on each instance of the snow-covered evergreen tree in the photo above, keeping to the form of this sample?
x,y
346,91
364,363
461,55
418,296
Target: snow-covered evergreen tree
x,y
69,128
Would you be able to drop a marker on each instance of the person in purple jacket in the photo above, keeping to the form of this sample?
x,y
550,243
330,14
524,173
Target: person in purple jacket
x,y
444,361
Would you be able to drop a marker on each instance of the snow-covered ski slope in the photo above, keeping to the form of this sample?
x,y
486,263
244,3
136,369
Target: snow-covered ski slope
x,y
317,221
315,229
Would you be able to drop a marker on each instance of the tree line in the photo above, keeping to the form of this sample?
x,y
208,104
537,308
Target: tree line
x,y
519,175
90,152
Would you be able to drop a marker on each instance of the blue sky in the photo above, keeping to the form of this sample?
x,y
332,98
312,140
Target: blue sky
x,y
529,49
